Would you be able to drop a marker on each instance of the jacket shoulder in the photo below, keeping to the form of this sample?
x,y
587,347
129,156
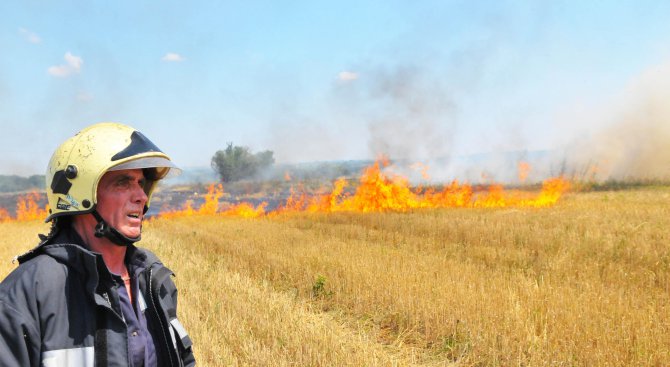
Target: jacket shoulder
x,y
34,282
38,269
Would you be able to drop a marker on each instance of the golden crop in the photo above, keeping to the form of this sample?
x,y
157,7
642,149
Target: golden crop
x,y
584,283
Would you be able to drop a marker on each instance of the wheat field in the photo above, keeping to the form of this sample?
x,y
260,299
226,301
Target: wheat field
x,y
584,283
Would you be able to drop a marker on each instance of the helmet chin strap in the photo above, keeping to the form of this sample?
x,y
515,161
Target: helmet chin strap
x,y
102,229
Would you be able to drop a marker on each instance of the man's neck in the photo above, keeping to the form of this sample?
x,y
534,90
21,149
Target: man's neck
x,y
113,255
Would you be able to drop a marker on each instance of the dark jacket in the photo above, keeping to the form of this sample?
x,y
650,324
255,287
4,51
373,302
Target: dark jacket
x,y
60,308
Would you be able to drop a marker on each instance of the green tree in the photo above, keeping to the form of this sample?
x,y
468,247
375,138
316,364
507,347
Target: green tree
x,y
236,163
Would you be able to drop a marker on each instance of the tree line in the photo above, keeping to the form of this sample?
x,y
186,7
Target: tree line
x,y
14,183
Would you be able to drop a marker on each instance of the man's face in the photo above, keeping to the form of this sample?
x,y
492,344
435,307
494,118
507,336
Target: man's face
x,y
121,200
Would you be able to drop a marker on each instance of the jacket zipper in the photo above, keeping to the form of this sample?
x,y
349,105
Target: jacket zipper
x,y
109,303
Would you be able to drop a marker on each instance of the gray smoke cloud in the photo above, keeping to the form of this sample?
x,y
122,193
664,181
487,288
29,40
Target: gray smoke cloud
x,y
636,144
414,116
403,112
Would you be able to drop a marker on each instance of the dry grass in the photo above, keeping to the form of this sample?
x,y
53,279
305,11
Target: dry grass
x,y
584,283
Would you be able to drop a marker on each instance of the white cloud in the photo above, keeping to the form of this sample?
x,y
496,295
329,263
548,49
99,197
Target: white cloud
x,y
74,61
173,57
347,76
72,65
29,36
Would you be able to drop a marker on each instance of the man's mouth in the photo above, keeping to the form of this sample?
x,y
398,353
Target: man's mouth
x,y
135,215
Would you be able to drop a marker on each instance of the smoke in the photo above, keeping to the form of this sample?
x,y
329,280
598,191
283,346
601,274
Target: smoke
x,y
636,143
413,117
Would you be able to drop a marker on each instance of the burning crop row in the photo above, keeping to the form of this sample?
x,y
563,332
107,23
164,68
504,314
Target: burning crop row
x,y
376,191
379,192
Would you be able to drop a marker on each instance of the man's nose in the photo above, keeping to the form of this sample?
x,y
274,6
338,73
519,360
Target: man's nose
x,y
139,196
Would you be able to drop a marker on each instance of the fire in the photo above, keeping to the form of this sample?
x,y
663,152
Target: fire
x,y
4,215
378,191
375,192
552,189
27,209
211,207
295,202
524,170
245,210
452,196
494,198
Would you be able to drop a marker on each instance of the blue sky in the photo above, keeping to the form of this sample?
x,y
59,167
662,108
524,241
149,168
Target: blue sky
x,y
320,81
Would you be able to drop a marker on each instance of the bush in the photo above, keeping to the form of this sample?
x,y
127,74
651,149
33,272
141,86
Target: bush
x,y
236,163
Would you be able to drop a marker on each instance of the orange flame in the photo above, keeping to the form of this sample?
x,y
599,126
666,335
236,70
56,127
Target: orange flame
x,y
524,170
452,196
552,189
295,202
27,209
211,207
4,215
245,210
378,191
494,198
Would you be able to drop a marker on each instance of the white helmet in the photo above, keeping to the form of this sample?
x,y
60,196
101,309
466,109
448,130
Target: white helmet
x,y
78,164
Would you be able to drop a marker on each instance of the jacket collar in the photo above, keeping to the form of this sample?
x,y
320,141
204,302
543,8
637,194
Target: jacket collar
x,y
67,247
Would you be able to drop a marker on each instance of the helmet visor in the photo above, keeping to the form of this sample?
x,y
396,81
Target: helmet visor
x,y
163,167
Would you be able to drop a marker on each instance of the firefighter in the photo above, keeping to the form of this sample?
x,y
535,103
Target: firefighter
x,y
86,295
